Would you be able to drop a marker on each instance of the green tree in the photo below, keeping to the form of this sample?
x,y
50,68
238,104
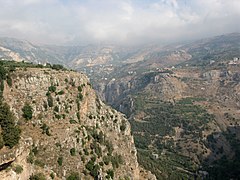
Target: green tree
x,y
73,152
74,176
57,66
10,132
1,141
38,176
60,161
27,111
52,88
3,73
110,173
18,169
9,81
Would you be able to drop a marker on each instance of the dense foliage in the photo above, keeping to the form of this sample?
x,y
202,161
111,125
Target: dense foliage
x,y
38,176
27,111
10,131
3,74
74,176
226,168
160,120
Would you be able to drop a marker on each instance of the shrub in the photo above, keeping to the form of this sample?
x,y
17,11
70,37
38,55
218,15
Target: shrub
x,y
101,163
95,170
60,161
100,137
45,129
90,165
116,161
52,88
35,150
98,151
30,158
3,73
52,175
95,146
73,152
110,173
1,141
80,96
106,160
60,92
56,109
58,116
45,105
86,152
80,88
9,81
39,163
74,176
78,116
18,169
72,121
72,83
109,147
38,176
12,68
78,105
93,158
27,111
57,67
83,159
1,88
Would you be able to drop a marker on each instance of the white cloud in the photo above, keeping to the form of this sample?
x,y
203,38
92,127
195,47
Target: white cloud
x,y
125,21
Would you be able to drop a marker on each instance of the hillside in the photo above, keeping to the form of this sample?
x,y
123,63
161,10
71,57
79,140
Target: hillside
x,y
137,60
185,118
66,130
181,100
185,121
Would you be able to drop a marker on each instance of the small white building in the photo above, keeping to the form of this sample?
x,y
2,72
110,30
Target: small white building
x,y
235,59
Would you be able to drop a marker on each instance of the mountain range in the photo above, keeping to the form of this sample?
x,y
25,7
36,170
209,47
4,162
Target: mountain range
x,y
182,100
214,48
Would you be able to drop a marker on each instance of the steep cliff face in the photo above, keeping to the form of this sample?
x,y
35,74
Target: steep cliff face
x,y
71,130
120,92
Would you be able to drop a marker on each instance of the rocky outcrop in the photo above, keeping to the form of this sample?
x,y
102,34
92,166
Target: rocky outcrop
x,y
16,157
211,75
71,129
119,93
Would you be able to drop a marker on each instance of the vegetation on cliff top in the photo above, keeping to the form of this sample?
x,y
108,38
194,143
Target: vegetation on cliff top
x,y
10,132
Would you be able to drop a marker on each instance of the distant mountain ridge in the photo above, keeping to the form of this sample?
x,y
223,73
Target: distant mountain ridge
x,y
148,56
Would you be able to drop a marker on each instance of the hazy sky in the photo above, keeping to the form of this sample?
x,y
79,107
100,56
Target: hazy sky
x,y
117,21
